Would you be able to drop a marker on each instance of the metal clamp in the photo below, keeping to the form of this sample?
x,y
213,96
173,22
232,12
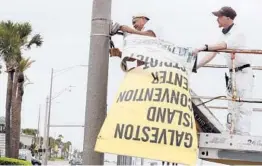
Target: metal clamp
x,y
100,34
229,119
101,19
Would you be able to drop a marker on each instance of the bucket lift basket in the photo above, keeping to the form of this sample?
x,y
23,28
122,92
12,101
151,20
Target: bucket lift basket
x,y
217,146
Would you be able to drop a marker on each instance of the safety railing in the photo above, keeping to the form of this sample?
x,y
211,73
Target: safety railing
x,y
233,52
224,66
242,51
224,108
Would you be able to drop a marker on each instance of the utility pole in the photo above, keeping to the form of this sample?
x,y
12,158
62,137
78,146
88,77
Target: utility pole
x,y
45,134
142,161
49,112
38,134
48,118
96,100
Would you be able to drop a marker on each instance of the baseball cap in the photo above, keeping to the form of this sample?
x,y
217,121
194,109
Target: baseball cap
x,y
226,11
141,15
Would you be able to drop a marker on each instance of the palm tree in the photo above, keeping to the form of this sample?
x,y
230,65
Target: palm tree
x,y
14,38
59,140
66,148
28,131
24,64
10,52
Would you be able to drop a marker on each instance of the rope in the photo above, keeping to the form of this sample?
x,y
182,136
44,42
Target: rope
x,y
238,100
246,101
210,100
112,45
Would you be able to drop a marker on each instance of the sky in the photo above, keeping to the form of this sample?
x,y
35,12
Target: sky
x,y
65,28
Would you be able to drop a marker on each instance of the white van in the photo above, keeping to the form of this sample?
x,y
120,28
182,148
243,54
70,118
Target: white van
x,y
25,154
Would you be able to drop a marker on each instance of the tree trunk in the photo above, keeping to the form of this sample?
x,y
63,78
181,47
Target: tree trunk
x,y
17,114
13,114
8,112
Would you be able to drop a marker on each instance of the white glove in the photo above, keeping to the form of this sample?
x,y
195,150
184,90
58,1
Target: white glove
x,y
115,28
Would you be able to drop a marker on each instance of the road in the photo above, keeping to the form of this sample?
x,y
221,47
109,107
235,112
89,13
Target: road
x,y
59,162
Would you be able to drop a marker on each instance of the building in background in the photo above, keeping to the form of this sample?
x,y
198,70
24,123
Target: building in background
x,y
25,140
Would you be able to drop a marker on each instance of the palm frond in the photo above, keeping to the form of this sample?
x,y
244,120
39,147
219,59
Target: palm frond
x,y
25,63
9,41
27,81
9,25
13,37
24,30
36,39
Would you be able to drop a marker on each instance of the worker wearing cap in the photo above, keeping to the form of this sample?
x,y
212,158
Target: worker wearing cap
x,y
233,38
142,25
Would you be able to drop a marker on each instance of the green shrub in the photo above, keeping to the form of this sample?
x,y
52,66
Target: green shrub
x,y
12,161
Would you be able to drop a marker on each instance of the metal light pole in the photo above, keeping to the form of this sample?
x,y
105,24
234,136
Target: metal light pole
x,y
48,111
48,119
38,134
48,115
45,134
142,161
96,101
50,104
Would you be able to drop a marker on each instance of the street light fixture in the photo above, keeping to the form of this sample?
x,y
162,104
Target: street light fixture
x,y
61,71
62,91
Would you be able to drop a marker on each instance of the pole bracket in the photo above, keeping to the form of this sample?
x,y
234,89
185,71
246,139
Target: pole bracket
x,y
101,19
100,34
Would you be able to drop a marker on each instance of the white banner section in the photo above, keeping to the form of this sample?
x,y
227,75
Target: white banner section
x,y
156,52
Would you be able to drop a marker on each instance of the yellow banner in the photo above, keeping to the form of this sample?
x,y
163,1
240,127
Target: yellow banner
x,y
152,116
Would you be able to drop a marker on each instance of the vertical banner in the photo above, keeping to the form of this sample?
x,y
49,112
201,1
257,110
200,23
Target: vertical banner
x,y
152,115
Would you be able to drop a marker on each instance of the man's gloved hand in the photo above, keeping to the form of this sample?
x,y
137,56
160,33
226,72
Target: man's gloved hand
x,y
194,70
115,52
115,28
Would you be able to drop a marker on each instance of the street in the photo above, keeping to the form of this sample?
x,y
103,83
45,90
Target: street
x,y
58,162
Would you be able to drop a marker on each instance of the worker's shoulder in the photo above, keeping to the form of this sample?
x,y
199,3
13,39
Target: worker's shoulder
x,y
150,25
238,29
234,32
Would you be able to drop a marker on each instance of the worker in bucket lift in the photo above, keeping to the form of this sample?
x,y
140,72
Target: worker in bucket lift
x,y
233,38
142,25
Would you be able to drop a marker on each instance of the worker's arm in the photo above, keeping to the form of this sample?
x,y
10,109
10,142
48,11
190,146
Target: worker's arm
x,y
206,59
127,29
210,56
235,41
214,47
